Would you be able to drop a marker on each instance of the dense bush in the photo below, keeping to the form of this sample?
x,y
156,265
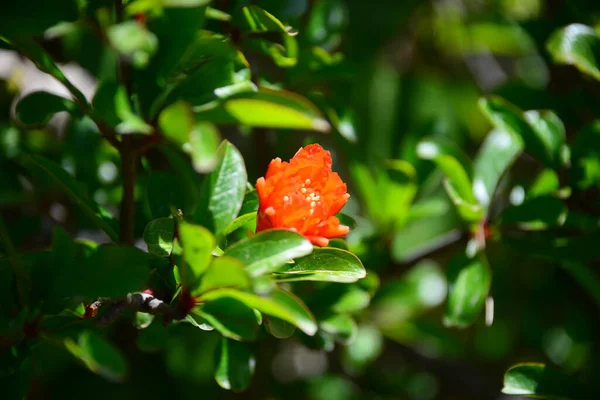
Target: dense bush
x,y
154,243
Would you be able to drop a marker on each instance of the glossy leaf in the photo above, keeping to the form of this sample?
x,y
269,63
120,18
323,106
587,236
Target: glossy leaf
x,y
75,193
38,107
223,272
577,45
542,382
280,304
497,153
266,108
269,250
550,136
159,235
197,244
245,220
232,318
223,190
279,328
542,132
326,264
255,19
98,355
235,366
455,167
469,282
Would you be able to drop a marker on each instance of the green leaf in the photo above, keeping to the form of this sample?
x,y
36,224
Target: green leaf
x,y
542,132
31,17
203,147
159,235
400,187
232,318
279,328
197,243
176,122
223,272
325,264
341,326
497,153
235,366
247,220
38,107
111,104
280,304
184,3
200,141
542,382
266,108
98,355
74,192
585,171
536,213
469,282
255,19
425,235
550,137
269,250
133,40
577,45
223,190
142,320
250,203
44,62
109,271
454,165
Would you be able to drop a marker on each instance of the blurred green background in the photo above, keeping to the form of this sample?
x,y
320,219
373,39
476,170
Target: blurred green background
x,y
385,75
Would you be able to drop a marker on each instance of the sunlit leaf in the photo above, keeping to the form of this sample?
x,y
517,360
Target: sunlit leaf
x,y
223,190
542,382
280,304
577,45
159,235
326,264
269,250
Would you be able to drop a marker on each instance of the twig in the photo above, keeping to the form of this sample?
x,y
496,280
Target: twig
x,y
141,302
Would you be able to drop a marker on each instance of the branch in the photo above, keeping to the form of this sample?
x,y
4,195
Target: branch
x,y
140,302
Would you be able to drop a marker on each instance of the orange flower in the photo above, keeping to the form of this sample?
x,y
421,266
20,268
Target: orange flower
x,y
303,196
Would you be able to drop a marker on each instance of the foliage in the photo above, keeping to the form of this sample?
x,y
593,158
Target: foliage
x,y
132,138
